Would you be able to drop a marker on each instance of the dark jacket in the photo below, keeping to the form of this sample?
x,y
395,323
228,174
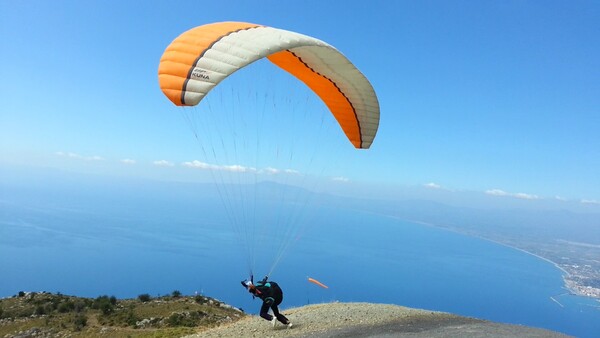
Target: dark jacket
x,y
267,291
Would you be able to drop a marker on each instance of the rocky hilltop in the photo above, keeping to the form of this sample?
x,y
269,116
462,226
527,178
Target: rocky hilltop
x,y
370,320
43,314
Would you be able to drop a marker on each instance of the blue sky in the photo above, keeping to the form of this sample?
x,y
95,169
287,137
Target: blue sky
x,y
500,97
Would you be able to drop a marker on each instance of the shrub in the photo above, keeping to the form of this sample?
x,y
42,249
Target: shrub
x,y
24,312
187,319
40,310
65,307
176,294
54,304
175,319
144,297
104,304
131,318
30,296
79,322
79,305
105,308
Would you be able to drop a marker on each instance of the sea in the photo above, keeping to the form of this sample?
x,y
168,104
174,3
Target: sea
x,y
151,239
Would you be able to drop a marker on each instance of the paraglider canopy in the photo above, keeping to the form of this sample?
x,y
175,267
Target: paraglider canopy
x,y
199,59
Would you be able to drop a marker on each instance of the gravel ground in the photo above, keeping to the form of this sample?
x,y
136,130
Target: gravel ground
x,y
370,320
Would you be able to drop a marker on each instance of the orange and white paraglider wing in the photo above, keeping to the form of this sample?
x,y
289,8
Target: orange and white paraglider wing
x,y
312,280
199,59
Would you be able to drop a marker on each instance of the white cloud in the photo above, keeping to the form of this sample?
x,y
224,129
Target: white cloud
x,y
275,171
128,161
80,157
198,165
433,185
340,179
272,171
163,163
237,168
526,196
496,192
584,201
202,165
520,195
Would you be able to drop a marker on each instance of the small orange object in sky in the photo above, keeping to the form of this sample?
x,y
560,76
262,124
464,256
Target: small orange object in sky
x,y
312,280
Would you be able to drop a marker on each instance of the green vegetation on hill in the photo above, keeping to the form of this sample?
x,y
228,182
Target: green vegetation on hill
x,y
49,315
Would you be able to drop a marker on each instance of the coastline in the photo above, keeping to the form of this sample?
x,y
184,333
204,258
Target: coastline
x,y
572,286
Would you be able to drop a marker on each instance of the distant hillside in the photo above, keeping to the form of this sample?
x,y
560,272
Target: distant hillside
x,y
31,314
